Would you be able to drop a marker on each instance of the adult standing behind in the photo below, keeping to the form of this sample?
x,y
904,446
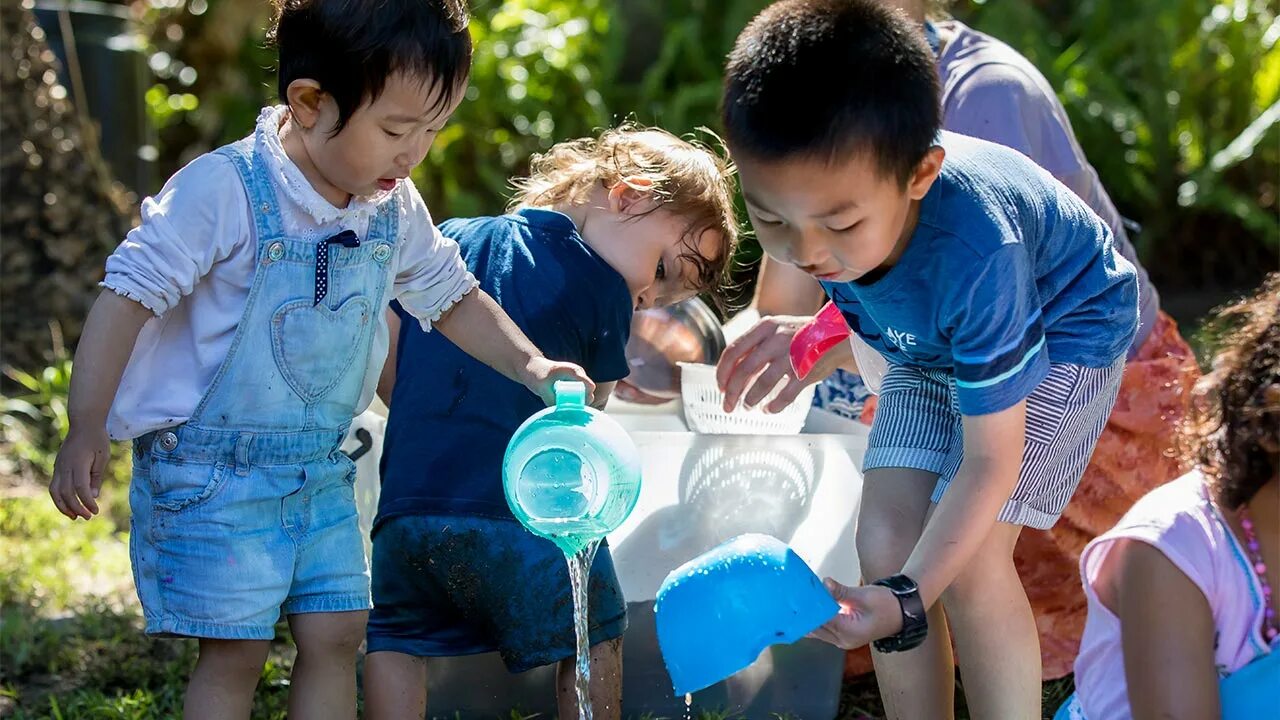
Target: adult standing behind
x,y
990,91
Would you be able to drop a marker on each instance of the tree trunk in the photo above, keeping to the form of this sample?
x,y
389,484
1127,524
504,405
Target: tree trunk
x,y
62,213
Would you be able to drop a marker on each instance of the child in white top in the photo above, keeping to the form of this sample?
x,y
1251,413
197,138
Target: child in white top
x,y
242,329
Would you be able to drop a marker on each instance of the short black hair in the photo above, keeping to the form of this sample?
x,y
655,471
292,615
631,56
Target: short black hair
x,y
825,78
351,47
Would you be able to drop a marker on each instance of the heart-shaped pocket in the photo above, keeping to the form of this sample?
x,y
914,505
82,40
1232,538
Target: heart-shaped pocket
x,y
316,347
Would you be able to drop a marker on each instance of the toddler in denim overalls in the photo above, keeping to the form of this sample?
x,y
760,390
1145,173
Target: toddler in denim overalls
x,y
242,329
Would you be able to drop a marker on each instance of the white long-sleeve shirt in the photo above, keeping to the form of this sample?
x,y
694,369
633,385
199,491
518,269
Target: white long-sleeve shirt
x,y
192,261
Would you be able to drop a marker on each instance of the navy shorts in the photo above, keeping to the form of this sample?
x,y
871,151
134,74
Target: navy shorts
x,y
448,585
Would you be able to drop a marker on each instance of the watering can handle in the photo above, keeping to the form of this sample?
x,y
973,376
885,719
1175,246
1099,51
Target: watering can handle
x,y
570,393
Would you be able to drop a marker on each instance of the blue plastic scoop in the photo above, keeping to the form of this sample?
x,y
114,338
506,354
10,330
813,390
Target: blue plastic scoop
x,y
719,611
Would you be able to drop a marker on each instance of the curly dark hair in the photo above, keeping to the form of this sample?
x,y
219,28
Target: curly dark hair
x,y
1233,430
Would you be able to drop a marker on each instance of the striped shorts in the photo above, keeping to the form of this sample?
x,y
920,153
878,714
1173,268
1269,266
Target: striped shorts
x,y
918,425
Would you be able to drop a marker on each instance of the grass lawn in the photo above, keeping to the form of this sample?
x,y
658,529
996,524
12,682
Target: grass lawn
x,y
71,644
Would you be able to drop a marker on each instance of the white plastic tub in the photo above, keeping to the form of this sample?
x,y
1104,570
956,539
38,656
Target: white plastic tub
x,y
697,491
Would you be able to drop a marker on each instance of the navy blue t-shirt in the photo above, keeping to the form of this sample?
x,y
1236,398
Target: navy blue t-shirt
x,y
1006,272
451,415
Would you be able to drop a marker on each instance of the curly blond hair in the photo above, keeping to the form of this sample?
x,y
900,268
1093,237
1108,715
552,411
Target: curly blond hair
x,y
1231,432
688,178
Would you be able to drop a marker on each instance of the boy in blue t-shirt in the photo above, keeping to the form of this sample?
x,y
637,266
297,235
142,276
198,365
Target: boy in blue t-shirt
x,y
995,294
633,219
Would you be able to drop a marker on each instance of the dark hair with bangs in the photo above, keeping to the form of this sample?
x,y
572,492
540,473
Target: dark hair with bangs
x,y
829,78
351,47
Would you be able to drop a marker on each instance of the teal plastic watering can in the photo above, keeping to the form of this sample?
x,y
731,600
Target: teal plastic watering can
x,y
571,474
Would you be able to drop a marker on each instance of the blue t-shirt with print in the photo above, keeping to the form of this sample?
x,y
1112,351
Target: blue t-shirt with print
x,y
451,415
1006,271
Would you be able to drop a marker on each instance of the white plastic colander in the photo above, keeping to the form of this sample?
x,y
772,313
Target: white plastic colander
x,y
704,407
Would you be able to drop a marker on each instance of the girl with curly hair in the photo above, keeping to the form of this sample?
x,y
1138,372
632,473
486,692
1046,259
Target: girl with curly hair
x,y
1183,591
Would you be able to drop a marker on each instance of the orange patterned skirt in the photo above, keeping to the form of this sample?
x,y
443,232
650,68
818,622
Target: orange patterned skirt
x,y
1134,455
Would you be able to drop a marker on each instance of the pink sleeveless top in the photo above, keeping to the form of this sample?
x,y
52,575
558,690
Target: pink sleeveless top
x,y
1180,521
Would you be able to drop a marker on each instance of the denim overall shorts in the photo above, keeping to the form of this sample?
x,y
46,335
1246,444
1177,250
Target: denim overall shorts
x,y
248,509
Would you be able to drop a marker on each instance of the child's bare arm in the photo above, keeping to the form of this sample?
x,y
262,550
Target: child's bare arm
x,y
993,446
958,527
479,326
1163,615
109,336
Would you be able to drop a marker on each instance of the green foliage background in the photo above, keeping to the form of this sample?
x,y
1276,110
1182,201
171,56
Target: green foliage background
x,y
1176,102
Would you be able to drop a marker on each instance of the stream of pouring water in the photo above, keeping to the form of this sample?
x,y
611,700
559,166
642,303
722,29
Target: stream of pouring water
x,y
579,575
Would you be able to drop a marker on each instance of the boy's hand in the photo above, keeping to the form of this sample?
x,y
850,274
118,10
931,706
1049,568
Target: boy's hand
x,y
762,359
78,471
541,374
867,613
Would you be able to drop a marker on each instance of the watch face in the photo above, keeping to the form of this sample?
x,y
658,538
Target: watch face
x,y
898,584
912,621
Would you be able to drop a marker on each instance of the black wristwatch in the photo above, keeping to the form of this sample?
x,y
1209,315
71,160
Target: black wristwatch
x,y
915,626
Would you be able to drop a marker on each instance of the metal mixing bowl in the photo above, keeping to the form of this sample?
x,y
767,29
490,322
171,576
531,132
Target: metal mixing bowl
x,y
663,337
